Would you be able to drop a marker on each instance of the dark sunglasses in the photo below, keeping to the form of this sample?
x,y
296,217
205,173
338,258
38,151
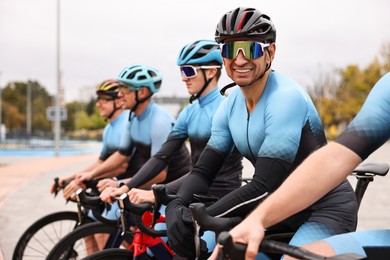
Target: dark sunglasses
x,y
190,71
250,50
103,100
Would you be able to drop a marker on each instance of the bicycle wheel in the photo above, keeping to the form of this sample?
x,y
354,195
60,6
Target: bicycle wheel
x,y
37,241
112,253
78,243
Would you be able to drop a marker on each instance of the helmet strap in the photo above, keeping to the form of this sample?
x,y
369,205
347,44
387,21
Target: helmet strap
x,y
113,112
138,101
206,83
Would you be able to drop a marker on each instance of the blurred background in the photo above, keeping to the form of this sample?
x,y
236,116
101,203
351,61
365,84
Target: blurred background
x,y
54,53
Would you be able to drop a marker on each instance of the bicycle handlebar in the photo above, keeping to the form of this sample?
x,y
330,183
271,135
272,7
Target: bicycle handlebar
x,y
230,250
137,211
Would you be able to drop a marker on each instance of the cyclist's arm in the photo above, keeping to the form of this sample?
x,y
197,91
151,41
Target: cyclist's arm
x,y
108,167
298,192
156,166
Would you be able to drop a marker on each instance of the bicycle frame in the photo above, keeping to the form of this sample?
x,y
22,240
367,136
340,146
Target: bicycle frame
x,y
143,241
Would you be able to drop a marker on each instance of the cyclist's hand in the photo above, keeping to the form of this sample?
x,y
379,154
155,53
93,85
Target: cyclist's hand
x,y
70,189
55,187
180,229
82,177
250,232
109,193
105,183
141,196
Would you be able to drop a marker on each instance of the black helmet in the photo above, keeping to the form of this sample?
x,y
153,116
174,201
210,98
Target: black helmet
x,y
245,22
109,87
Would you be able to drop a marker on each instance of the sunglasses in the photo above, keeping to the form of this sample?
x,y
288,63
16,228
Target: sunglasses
x,y
103,100
126,89
190,71
250,50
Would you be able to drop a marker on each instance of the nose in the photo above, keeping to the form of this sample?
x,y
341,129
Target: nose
x,y
183,78
240,59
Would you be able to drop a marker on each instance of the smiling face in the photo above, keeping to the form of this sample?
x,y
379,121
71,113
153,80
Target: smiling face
x,y
128,98
245,71
105,104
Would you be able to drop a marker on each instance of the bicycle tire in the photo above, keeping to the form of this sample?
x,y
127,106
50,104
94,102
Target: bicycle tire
x,y
72,246
37,241
112,253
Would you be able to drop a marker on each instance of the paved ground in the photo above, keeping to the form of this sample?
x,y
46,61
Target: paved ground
x,y
25,182
24,192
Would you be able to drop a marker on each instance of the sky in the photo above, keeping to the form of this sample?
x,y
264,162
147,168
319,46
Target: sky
x,y
98,38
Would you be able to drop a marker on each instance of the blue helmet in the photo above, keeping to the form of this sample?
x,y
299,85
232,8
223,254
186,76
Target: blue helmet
x,y
139,76
199,53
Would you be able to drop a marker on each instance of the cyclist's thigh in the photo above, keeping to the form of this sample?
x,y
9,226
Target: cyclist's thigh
x,y
310,232
354,242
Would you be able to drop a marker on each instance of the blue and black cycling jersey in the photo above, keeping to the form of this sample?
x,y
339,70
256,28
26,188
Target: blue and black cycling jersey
x,y
147,133
194,123
282,130
370,129
111,142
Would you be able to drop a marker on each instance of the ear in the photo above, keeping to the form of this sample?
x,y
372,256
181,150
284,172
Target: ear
x,y
272,51
210,73
143,92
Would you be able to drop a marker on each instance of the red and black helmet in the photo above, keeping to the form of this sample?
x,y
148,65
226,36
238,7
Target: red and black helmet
x,y
244,22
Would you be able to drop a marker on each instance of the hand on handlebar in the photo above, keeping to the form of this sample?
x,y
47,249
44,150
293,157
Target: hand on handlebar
x,y
70,189
110,193
60,183
249,232
139,196
83,177
105,183
180,229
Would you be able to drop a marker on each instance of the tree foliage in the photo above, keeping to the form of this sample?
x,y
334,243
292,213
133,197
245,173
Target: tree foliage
x,y
340,94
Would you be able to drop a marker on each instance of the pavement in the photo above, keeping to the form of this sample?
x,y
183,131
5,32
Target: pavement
x,y
24,192
25,182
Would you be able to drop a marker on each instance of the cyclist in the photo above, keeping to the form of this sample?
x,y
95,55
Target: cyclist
x,y
325,169
274,124
110,107
200,65
148,128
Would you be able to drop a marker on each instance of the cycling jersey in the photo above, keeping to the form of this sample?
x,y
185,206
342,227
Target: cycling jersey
x,y
276,136
369,130
371,127
194,123
111,135
147,132
111,141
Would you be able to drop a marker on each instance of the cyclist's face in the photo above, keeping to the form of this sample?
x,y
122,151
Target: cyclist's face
x,y
244,71
195,84
105,103
127,98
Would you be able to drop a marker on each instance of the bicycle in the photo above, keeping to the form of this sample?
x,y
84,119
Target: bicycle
x,y
38,239
143,237
365,174
143,218
82,241
227,249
